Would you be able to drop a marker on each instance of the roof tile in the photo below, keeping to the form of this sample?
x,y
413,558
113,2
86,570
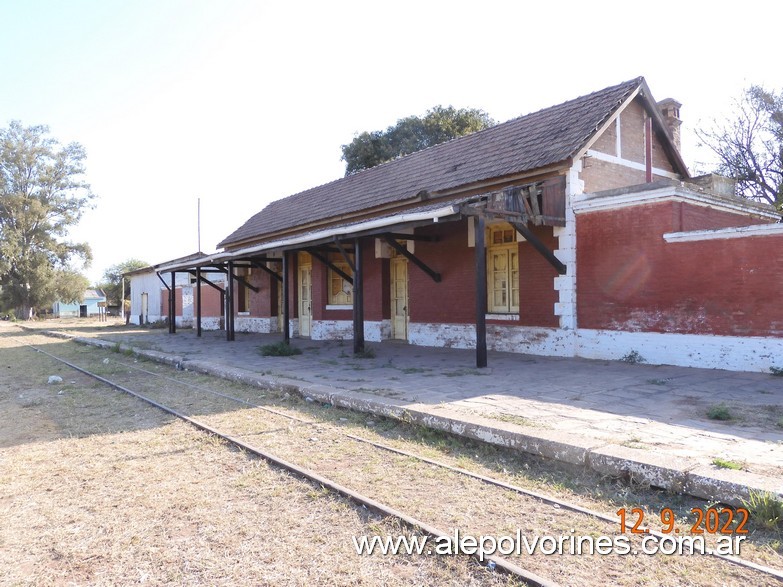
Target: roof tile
x,y
539,139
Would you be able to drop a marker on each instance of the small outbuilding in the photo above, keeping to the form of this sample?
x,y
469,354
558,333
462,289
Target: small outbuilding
x,y
89,305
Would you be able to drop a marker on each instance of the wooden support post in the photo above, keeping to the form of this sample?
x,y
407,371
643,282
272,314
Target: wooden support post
x,y
198,301
173,304
230,303
286,295
481,294
358,299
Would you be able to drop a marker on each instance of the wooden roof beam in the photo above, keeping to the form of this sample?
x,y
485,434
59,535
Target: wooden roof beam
x,y
389,238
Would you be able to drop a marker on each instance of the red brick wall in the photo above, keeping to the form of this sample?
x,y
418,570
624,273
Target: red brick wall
x,y
320,298
689,217
376,284
453,300
210,302
629,278
177,302
632,132
601,175
261,301
537,295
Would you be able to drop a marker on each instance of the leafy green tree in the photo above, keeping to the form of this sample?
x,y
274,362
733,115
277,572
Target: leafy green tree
x,y
112,279
42,194
750,146
411,134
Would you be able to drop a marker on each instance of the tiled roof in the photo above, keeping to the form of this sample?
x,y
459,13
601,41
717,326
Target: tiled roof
x,y
534,141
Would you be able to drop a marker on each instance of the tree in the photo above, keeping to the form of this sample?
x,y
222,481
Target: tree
x,y
41,196
750,146
412,134
112,279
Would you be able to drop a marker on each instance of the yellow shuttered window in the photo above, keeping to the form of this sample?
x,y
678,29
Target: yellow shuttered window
x,y
502,270
340,291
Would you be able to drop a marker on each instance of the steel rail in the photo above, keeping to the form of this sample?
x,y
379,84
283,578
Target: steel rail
x,y
491,561
778,574
485,479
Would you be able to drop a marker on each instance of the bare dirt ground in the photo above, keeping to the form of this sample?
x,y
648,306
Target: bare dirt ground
x,y
190,484
98,489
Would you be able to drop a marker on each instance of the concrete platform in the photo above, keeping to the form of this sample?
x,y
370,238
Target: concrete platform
x,y
641,421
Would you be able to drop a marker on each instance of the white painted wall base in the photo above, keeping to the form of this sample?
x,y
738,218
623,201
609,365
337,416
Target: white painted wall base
x,y
263,325
184,322
211,323
134,319
553,342
734,353
374,331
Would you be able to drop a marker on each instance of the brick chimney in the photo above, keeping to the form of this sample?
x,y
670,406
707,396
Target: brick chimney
x,y
670,108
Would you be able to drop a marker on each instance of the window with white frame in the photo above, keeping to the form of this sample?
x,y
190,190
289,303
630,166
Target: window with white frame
x,y
502,270
340,290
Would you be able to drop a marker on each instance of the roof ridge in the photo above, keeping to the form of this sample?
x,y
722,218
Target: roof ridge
x,y
543,137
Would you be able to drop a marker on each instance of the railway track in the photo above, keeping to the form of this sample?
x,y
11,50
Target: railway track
x,y
359,468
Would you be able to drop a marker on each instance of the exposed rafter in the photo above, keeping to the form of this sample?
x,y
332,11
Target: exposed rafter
x,y
389,238
330,265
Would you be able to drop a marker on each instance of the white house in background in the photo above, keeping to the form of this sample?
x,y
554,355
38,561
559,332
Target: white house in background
x,y
87,306
149,295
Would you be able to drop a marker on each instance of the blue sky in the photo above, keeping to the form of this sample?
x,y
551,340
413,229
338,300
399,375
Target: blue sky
x,y
241,102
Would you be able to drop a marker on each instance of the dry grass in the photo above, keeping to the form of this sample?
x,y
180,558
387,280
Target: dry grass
x,y
435,495
97,489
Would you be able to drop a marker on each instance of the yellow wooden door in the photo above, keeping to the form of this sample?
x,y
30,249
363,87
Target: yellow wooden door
x,y
399,297
305,294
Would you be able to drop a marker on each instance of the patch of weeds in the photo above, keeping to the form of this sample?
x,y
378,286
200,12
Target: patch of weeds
x,y
128,352
719,412
329,362
511,419
116,348
461,372
780,423
279,349
726,464
634,442
776,371
365,353
658,381
412,370
633,357
343,354
766,509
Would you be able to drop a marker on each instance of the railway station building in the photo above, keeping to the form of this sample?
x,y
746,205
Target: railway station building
x,y
573,231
